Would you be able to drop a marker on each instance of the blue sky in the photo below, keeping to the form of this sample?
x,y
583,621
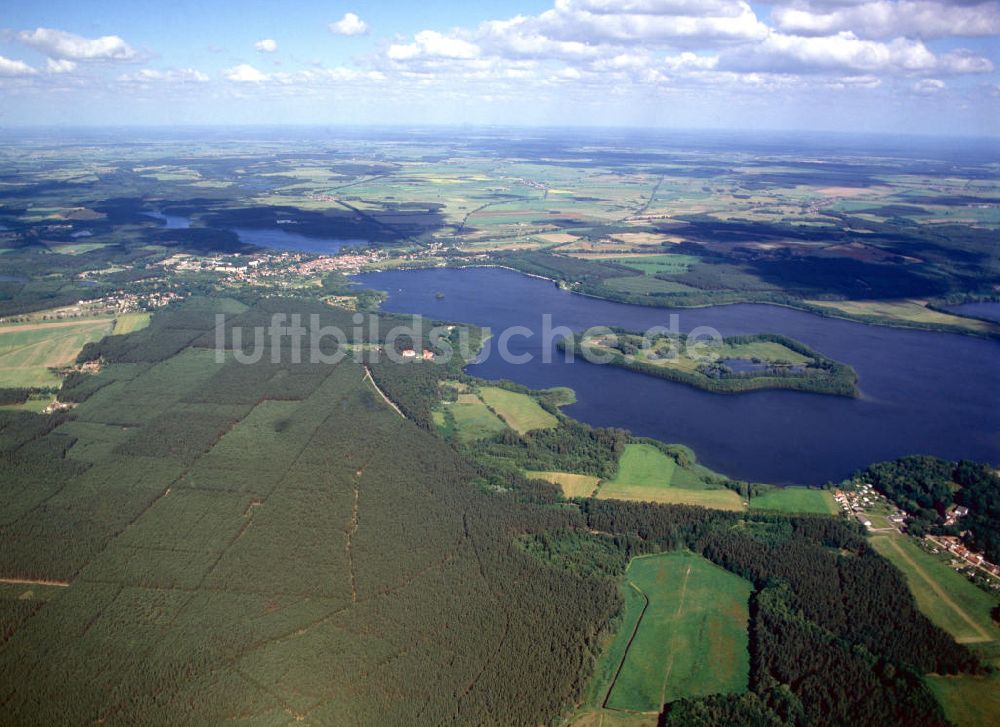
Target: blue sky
x,y
927,66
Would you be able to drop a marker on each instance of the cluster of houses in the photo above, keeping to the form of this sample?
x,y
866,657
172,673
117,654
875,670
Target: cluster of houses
x,y
339,263
954,546
254,268
955,512
122,302
426,354
864,497
858,501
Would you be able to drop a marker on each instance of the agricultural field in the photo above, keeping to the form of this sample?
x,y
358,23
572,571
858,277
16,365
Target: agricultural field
x,y
29,352
968,701
130,322
690,638
946,597
658,264
647,474
912,312
572,485
471,418
520,411
796,499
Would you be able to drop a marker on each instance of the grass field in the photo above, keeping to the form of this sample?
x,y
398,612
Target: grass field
x,y
968,701
519,411
905,311
655,264
645,473
645,285
131,322
796,499
473,420
945,597
572,485
612,655
29,351
691,638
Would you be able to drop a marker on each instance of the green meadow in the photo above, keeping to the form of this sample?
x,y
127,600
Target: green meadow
x,y
796,499
647,473
945,597
520,411
691,637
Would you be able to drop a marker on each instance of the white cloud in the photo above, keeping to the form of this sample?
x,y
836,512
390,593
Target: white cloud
x,y
965,61
688,60
244,73
429,43
350,24
60,66
68,46
173,75
891,18
303,80
267,45
846,52
10,67
929,85
631,21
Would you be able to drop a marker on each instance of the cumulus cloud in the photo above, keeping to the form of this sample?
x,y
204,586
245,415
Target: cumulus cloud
x,y
244,73
929,85
304,79
652,41
846,51
633,21
267,45
10,68
172,75
350,24
68,46
891,18
60,66
429,43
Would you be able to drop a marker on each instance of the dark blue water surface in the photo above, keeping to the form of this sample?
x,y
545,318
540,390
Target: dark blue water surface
x,y
989,311
271,238
922,392
280,239
171,222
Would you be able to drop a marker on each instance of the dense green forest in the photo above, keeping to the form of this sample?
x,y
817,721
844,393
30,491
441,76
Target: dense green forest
x,y
926,487
273,541
836,638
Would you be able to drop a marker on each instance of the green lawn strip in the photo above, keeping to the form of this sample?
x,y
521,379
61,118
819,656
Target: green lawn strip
x,y
796,499
945,597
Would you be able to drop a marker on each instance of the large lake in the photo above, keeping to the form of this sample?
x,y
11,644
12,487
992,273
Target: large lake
x,y
279,238
922,392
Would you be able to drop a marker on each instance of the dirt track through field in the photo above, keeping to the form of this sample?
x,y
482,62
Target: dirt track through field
x,y
677,616
940,592
21,328
390,402
34,582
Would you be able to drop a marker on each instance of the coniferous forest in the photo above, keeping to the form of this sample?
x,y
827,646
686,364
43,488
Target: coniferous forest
x,y
274,542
